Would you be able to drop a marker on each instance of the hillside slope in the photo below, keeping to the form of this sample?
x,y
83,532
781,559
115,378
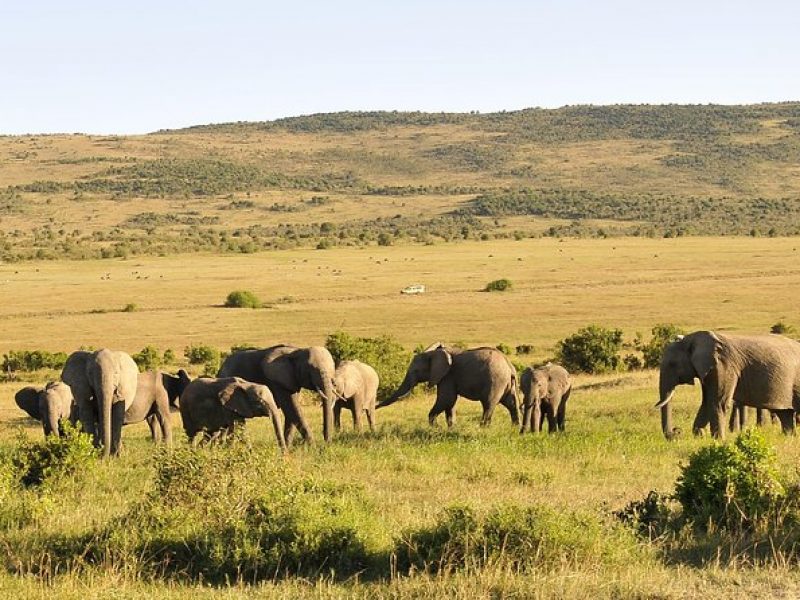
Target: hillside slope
x,y
384,177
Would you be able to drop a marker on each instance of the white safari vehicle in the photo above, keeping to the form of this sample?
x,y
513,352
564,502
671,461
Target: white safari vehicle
x,y
417,288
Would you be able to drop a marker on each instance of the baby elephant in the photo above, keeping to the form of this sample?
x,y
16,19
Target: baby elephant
x,y
545,393
217,407
356,383
51,405
156,394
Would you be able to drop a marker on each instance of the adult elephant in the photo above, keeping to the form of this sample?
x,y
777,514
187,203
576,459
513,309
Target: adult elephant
x,y
762,371
104,386
51,404
287,370
217,407
157,393
482,374
545,392
356,385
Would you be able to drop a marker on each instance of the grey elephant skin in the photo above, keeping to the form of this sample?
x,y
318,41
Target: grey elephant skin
x,y
482,374
545,391
104,386
762,371
286,370
356,384
52,405
217,407
157,393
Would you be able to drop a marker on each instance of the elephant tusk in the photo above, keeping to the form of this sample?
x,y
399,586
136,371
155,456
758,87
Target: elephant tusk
x,y
663,402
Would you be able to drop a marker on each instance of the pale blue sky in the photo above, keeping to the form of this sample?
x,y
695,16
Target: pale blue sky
x,y
109,67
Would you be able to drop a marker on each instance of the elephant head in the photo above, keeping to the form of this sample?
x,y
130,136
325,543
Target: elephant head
x,y
534,383
429,366
50,405
175,384
312,368
684,360
247,400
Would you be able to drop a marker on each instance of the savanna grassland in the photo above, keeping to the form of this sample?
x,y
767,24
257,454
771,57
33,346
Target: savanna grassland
x,y
622,216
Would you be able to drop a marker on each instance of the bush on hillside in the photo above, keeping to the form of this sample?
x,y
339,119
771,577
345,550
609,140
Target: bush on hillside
x,y
148,359
593,349
498,285
662,335
782,328
32,360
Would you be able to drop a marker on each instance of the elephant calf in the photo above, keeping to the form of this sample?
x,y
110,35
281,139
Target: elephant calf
x,y
156,393
356,384
52,405
217,407
545,393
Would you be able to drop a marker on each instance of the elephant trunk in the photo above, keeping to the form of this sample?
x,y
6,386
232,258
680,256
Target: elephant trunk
x,y
50,422
404,390
105,399
325,387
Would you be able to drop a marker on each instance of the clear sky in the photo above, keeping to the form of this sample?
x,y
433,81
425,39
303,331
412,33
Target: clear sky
x,y
138,66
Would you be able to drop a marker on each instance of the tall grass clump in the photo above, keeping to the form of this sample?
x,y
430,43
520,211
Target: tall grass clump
x,y
520,538
239,514
383,353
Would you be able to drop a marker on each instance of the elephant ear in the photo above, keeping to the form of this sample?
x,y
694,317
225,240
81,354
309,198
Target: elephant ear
x,y
28,400
235,398
281,371
704,353
441,361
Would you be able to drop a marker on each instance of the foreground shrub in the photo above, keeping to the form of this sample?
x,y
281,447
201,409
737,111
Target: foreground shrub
x,y
522,538
34,463
593,349
242,299
235,513
383,353
731,486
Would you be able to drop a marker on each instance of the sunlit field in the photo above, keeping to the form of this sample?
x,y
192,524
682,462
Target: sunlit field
x,y
406,473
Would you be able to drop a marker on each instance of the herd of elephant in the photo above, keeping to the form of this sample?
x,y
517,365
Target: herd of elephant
x,y
104,389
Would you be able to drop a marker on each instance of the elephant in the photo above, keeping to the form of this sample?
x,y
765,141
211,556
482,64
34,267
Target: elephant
x,y
545,393
104,386
156,393
218,407
356,384
762,371
52,405
482,374
286,370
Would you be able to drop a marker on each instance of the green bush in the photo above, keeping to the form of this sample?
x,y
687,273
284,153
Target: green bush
x,y
237,514
130,307
520,538
32,360
498,285
35,463
505,349
662,334
242,299
593,349
169,357
148,359
524,349
731,486
383,353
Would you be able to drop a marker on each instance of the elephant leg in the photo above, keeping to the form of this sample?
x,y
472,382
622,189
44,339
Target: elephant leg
x,y
733,422
561,414
358,412
450,416
371,418
87,415
760,417
164,421
117,419
155,429
445,399
337,415
294,418
787,420
552,423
